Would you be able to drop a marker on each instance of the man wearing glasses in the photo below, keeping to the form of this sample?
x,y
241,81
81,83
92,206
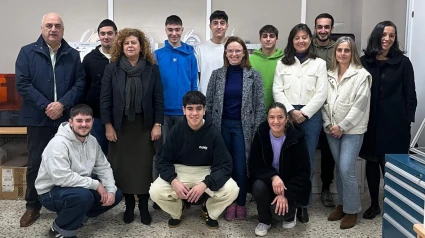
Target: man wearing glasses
x,y
324,47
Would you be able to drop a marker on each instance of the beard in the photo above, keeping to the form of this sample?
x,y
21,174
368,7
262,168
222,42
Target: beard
x,y
323,40
81,135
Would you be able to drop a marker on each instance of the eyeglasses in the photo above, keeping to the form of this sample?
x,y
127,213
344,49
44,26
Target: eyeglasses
x,y
230,52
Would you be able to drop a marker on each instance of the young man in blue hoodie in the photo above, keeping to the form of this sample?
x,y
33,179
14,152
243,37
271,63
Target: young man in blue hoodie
x,y
179,73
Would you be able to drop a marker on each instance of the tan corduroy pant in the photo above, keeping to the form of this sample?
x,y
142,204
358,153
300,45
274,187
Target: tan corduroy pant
x,y
164,195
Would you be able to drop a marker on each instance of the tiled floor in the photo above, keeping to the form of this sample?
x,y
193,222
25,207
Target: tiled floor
x,y
111,225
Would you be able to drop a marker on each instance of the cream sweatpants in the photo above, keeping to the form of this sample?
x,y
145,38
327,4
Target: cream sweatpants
x,y
164,195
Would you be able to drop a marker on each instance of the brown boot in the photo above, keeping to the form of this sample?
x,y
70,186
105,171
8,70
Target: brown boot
x,y
337,214
29,217
349,221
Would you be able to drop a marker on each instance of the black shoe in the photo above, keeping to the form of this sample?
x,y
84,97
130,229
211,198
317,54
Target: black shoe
x,y
327,199
213,224
173,223
302,215
186,204
371,212
130,204
156,207
145,217
54,233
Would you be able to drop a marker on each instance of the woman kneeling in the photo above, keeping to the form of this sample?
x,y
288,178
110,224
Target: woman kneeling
x,y
280,169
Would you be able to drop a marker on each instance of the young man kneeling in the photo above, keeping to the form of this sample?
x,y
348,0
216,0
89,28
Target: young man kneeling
x,y
64,180
194,160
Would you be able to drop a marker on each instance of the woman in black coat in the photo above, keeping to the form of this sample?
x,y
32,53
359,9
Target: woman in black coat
x,y
279,167
392,105
132,109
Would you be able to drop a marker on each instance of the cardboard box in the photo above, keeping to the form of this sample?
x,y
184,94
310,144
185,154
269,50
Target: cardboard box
x,y
13,183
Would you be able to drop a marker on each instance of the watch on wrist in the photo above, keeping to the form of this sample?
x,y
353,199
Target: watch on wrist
x,y
158,124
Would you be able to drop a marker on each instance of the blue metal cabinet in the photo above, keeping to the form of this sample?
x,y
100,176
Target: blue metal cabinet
x,y
404,195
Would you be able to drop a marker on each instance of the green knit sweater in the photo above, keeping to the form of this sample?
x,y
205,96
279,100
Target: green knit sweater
x,y
266,65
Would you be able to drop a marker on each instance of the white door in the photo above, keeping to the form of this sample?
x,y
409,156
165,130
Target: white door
x,y
416,49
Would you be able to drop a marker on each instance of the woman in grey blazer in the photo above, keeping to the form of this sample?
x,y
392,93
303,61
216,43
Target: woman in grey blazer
x,y
235,100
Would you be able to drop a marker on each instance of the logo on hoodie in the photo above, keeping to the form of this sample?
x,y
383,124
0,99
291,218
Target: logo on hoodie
x,y
203,147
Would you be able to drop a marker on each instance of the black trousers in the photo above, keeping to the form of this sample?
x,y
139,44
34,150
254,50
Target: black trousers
x,y
373,176
327,165
37,139
263,195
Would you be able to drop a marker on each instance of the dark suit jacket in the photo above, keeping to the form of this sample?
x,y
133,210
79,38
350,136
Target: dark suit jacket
x,y
112,95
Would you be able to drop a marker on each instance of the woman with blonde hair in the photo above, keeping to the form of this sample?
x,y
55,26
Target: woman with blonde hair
x,y
345,117
132,109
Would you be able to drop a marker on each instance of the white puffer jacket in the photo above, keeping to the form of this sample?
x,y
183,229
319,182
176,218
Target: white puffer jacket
x,y
348,101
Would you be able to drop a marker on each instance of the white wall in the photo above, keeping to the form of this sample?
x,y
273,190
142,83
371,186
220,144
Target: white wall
x,y
21,25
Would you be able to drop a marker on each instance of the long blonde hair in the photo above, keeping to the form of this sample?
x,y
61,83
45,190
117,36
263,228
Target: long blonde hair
x,y
355,60
117,48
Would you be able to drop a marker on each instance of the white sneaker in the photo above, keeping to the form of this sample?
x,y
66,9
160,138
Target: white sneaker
x,y
289,224
261,229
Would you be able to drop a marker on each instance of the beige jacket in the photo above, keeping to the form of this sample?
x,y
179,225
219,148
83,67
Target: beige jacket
x,y
301,84
348,100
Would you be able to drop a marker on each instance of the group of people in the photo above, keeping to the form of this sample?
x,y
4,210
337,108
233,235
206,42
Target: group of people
x,y
207,125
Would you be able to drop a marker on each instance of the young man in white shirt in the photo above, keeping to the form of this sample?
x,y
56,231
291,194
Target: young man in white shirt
x,y
210,53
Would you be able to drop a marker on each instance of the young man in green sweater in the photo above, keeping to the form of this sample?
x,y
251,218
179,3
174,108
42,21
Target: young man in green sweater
x,y
264,60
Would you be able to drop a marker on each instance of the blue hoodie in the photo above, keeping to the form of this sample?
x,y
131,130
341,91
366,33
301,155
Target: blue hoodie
x,y
179,74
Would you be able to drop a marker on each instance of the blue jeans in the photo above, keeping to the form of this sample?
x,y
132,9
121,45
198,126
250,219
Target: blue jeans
x,y
99,132
345,151
312,127
73,205
232,133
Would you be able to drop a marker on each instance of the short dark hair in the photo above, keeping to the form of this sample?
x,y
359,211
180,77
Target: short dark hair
x,y
194,97
82,109
374,45
245,60
107,22
289,58
324,15
218,14
269,29
174,20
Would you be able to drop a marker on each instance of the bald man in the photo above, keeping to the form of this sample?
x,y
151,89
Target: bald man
x,y
50,80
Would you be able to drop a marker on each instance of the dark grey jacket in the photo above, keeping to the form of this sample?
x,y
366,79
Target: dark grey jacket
x,y
252,111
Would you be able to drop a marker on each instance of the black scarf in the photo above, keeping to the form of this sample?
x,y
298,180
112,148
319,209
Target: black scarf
x,y
133,86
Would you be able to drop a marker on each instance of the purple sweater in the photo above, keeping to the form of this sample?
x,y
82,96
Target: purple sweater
x,y
277,146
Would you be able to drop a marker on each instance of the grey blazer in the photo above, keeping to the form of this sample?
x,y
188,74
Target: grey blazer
x,y
253,109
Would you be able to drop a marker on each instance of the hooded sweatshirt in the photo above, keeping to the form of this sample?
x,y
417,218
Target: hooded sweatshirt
x,y
68,162
266,65
179,74
325,52
204,147
94,64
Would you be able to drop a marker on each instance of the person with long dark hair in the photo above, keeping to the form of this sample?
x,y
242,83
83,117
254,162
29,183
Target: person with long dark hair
x,y
279,169
300,83
392,105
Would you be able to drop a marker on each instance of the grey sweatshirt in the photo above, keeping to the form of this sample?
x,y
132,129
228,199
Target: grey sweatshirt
x,y
68,162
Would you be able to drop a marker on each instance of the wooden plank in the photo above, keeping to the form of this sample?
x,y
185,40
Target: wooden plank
x,y
420,230
13,130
